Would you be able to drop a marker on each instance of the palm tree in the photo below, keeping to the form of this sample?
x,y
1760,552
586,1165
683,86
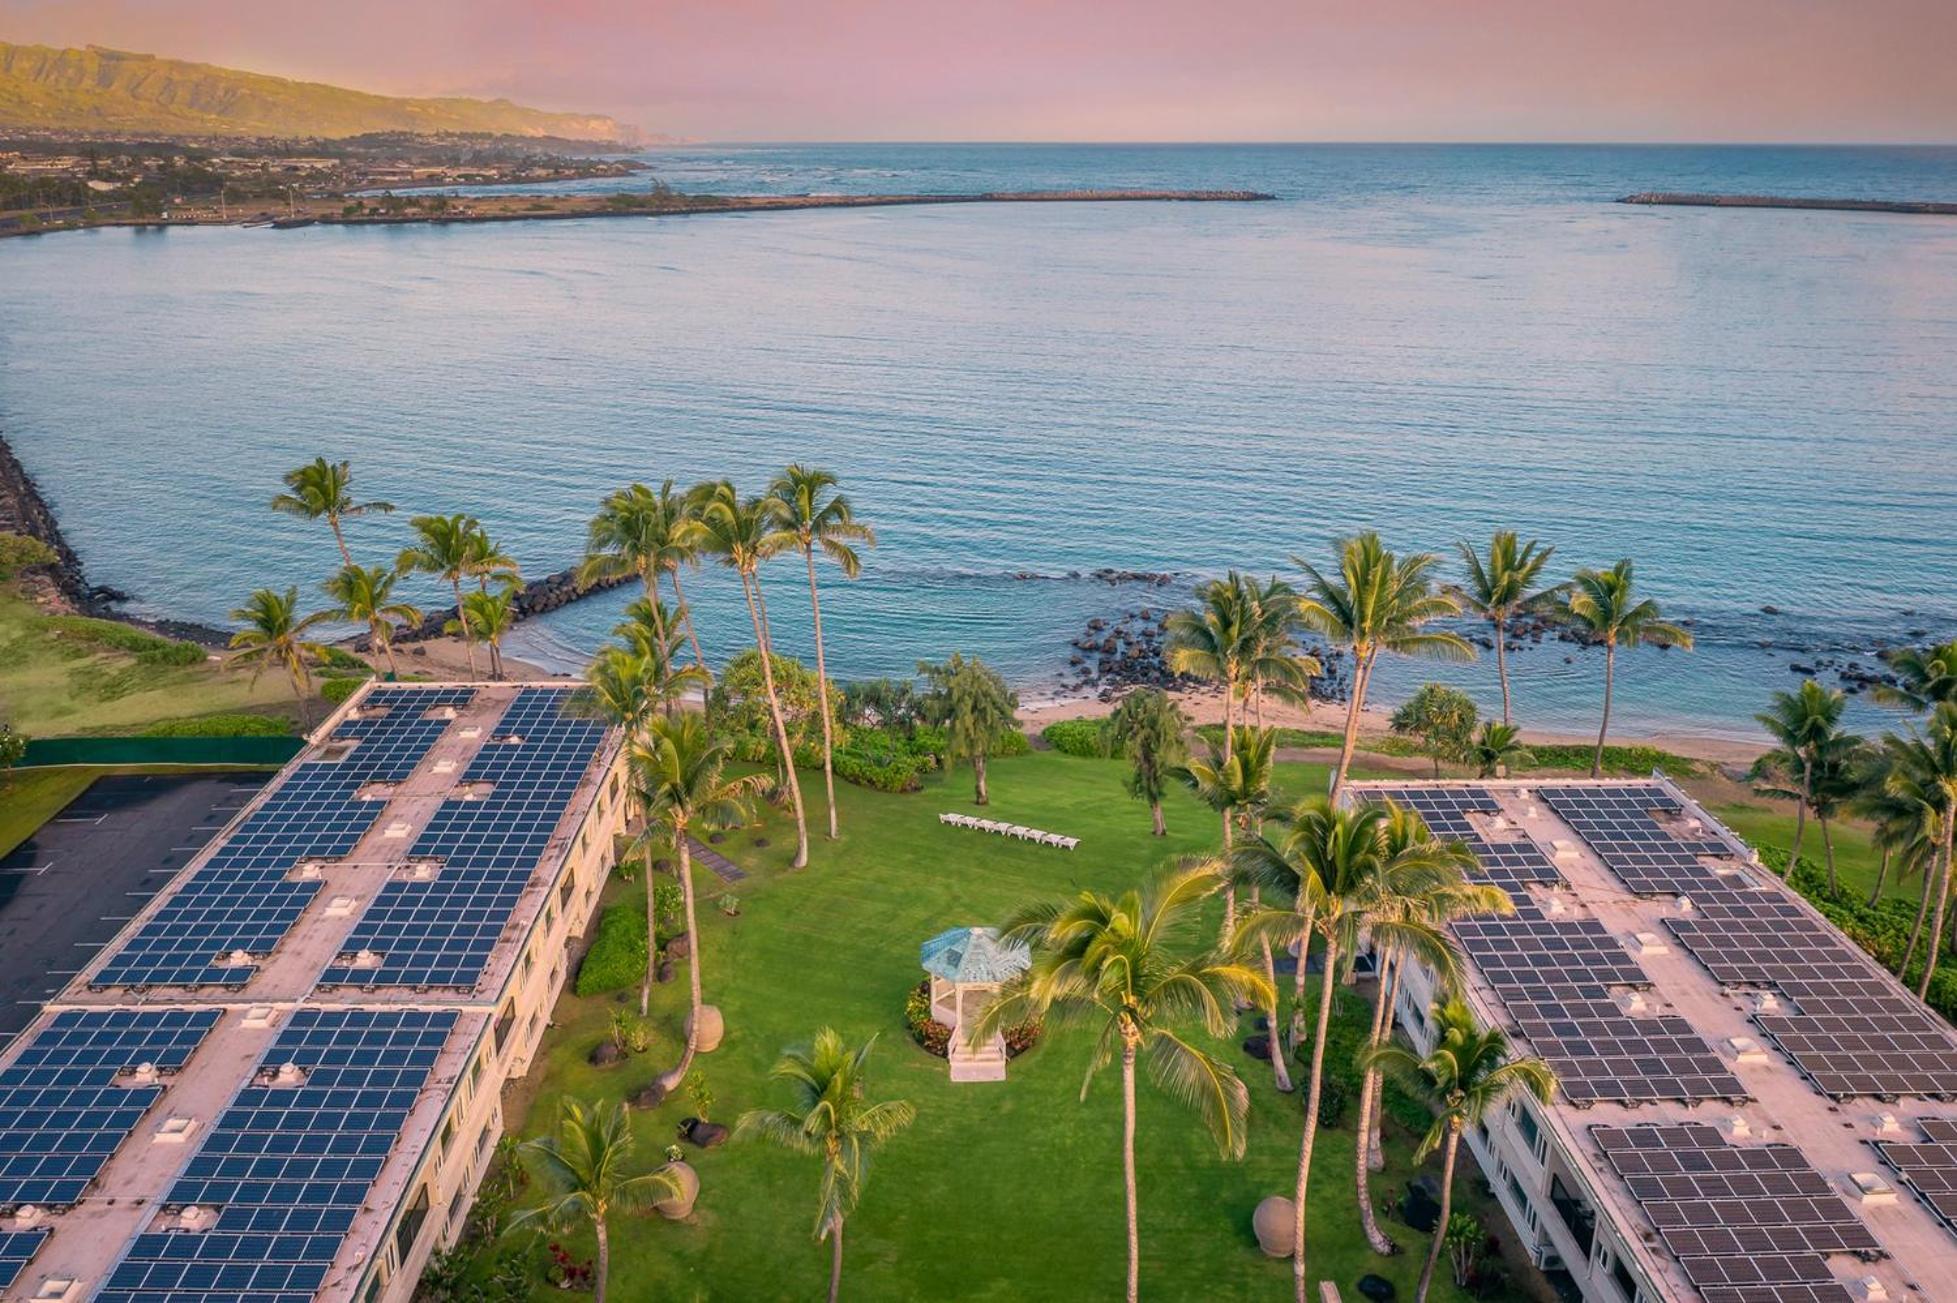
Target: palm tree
x,y
1838,780
1498,748
1604,604
1125,966
322,490
739,530
678,781
975,708
1149,727
1924,770
832,1120
810,514
1465,1077
651,630
1503,585
275,634
365,595
1240,636
1903,830
490,615
1925,676
584,1166
1377,602
445,547
647,533
622,688
1807,725
1271,662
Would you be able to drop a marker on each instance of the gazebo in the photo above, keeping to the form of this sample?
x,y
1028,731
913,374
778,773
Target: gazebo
x,y
963,962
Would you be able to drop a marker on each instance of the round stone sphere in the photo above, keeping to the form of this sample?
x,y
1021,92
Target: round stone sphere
x,y
1276,1224
689,1181
712,1029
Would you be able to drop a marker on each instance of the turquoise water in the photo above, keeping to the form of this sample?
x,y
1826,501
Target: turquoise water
x,y
1435,341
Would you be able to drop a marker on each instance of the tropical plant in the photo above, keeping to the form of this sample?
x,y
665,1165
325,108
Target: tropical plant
x,y
13,750
832,1119
1924,677
1502,585
1462,1237
584,1167
1604,604
1497,749
1149,727
740,531
1464,1078
976,709
490,616
651,630
323,490
810,514
1807,726
365,595
1271,662
646,533
1377,602
447,547
1240,635
1923,771
1441,719
678,780
20,552
620,688
275,635
1126,967
1903,830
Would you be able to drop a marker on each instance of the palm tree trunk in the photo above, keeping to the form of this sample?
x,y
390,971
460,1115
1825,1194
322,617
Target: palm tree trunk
x,y
759,614
387,649
652,940
1361,672
1229,716
1881,876
604,1260
1447,1207
1828,850
300,696
822,692
1229,888
678,1074
1502,664
334,520
1603,729
1311,1117
1278,1069
462,618
1375,1143
836,1260
1931,955
1128,1168
1155,813
686,614
1800,817
1305,913
1922,914
980,796
1362,1145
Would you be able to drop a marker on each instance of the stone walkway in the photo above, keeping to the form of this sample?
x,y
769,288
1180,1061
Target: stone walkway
x,y
724,869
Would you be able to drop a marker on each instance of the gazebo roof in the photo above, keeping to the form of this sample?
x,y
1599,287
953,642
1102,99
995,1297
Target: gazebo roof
x,y
972,954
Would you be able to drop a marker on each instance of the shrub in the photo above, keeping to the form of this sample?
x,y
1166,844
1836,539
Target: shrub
x,y
335,691
338,658
1087,738
148,648
617,958
1023,1036
18,551
927,1031
221,726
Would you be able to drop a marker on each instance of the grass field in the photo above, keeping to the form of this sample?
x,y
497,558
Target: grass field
x,y
1000,1191
54,684
1856,860
32,796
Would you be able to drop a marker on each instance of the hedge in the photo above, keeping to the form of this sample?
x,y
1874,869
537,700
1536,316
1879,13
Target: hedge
x,y
1632,761
334,692
1087,738
221,726
148,648
617,958
885,759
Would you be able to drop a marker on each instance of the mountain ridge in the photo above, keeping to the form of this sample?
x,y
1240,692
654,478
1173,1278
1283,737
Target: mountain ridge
x,y
97,89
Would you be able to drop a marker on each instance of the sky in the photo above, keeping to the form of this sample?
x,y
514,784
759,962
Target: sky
x,y
1107,70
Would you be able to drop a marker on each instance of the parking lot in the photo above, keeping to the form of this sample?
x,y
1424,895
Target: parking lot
x,y
70,887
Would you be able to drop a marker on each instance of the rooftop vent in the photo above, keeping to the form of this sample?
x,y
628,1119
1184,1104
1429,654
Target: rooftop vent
x,y
286,1074
1887,1125
1870,1289
1745,1049
1564,848
57,1289
1684,904
374,792
1648,943
1737,1127
306,871
441,712
340,906
470,730
419,871
259,1015
335,751
445,765
1633,1002
1869,1189
365,959
143,1074
1767,1003
197,1218
236,959
175,1130
472,791
398,830
28,1216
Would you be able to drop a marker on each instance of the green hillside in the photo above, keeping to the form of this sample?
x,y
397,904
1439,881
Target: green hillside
x,y
42,88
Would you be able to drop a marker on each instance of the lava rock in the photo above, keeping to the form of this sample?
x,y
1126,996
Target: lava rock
x,y
703,1134
649,1096
1377,1288
605,1055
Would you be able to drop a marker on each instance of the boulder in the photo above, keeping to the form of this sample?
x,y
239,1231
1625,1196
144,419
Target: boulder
x,y
1276,1225
664,973
680,947
1421,1209
1258,1047
702,1133
1377,1288
649,1096
675,1208
712,1029
605,1054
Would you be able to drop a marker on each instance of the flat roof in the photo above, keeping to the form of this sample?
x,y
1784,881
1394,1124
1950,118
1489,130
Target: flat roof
x,y
1732,1067
316,982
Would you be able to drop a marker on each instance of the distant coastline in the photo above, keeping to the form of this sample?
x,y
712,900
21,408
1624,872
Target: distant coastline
x,y
1664,198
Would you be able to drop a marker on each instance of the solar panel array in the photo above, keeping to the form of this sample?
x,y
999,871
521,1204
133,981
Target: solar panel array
x,y
288,1167
1929,1168
441,931
63,1113
1555,976
1648,857
16,1247
241,899
1510,862
1745,1222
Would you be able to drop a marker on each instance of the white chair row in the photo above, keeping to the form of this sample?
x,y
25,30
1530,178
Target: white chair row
x,y
1010,830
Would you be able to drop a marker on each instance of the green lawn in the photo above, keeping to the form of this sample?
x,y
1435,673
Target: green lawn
x,y
1856,860
32,796
1000,1191
53,684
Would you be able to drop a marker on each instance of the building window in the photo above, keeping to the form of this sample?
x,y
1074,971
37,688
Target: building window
x,y
1531,1132
1620,1276
409,1230
475,1074
448,1133
482,1141
504,1021
565,889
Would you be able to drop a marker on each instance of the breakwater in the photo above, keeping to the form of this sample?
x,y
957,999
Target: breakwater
x,y
1916,206
536,597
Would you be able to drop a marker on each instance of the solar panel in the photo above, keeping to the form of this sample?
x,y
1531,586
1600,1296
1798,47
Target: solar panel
x,y
63,1111
1511,861
16,1248
241,901
1929,1167
1740,1220
441,931
288,1166
1619,824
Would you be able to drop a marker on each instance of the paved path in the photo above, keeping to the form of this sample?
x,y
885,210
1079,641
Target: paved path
x,y
724,869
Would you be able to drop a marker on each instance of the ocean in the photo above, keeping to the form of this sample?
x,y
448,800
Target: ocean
x,y
1759,406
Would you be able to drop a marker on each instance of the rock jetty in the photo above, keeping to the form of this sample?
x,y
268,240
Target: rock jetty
x,y
1670,199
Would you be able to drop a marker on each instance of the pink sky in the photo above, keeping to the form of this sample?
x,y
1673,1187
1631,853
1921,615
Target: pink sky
x,y
1700,70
